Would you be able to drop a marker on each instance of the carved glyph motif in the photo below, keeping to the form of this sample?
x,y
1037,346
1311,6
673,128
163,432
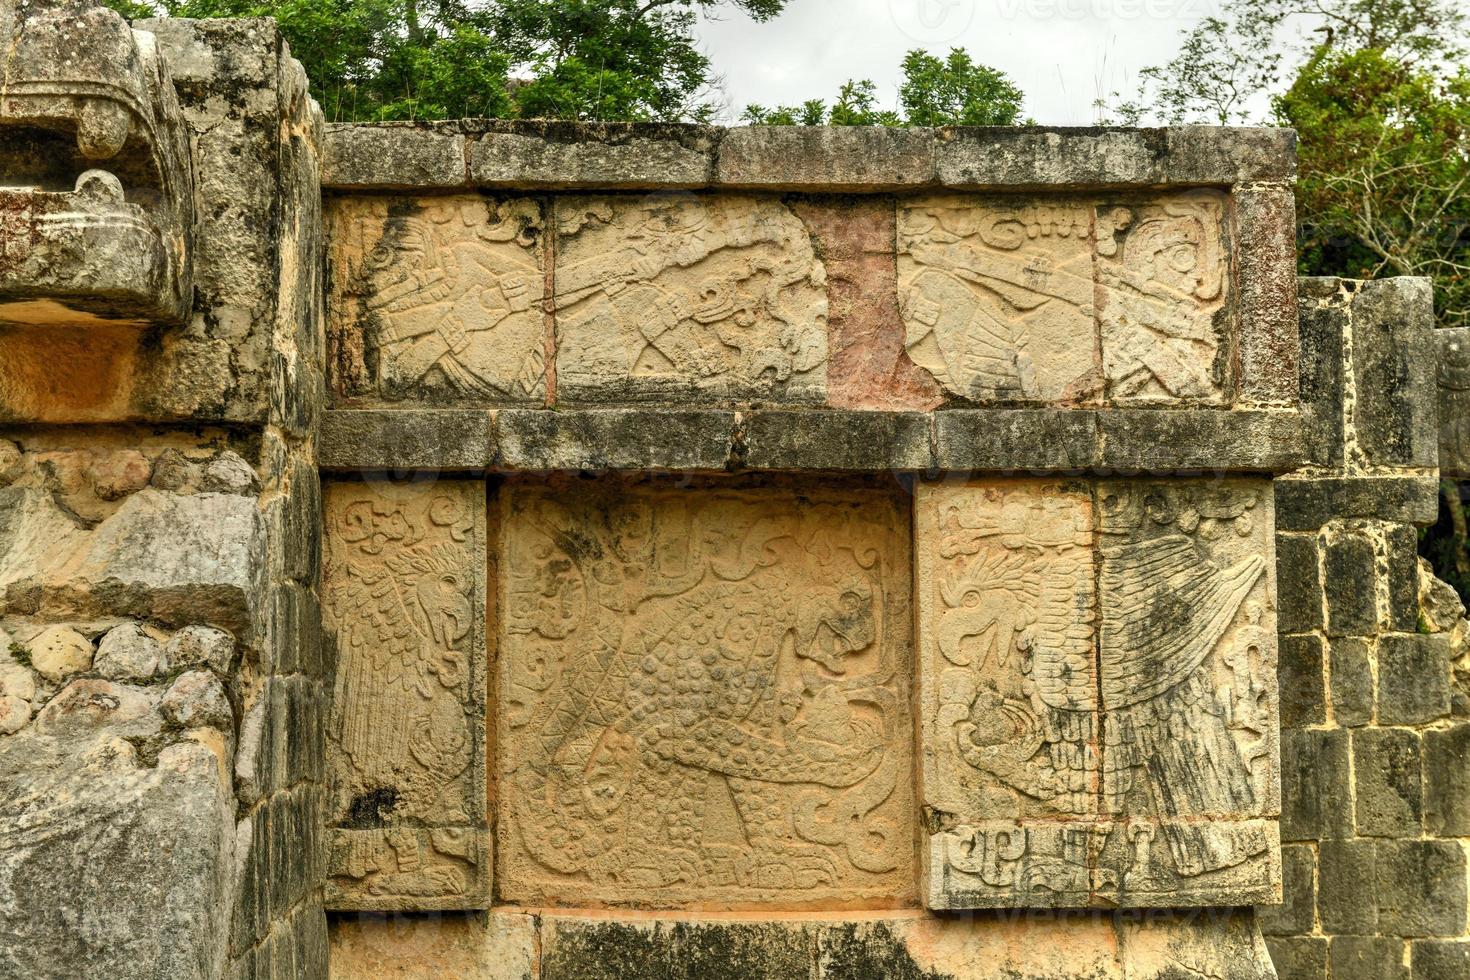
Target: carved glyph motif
x,y
1073,300
1099,694
438,299
405,595
704,698
1163,268
682,295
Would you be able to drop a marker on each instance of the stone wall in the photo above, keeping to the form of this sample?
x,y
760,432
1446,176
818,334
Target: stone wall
x,y
1372,659
828,517
560,551
162,677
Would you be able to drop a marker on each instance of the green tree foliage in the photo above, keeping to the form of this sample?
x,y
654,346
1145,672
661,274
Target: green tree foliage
x,y
956,91
1380,100
950,91
436,59
1382,111
1385,172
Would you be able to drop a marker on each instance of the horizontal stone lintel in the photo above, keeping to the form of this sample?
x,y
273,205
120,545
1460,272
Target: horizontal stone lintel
x,y
1307,502
547,155
995,441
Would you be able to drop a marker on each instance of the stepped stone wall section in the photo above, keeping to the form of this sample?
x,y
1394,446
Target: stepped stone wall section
x,y
1373,670
561,551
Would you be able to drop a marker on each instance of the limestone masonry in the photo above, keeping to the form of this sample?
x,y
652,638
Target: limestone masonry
x,y
538,551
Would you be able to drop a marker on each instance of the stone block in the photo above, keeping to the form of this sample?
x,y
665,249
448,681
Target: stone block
x,y
867,365
1029,345
1401,577
500,945
1420,888
1322,329
428,439
1317,802
615,439
312,953
1298,581
1435,959
405,579
834,440
1351,584
1231,154
1351,666
1201,440
575,948
1367,958
1447,781
436,300
86,823
1031,799
643,695
1298,957
1388,780
1300,673
1298,909
1394,413
607,156
999,157
826,158
393,156
637,321
1270,349
1015,440
1413,678
1347,883
1452,345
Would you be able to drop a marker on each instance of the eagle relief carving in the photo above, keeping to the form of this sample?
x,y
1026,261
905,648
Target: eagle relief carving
x,y
1099,692
704,697
404,594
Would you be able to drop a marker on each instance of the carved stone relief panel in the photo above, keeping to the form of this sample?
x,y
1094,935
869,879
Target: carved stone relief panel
x,y
97,219
405,568
704,697
1098,692
685,296
438,299
1453,376
1068,300
1163,275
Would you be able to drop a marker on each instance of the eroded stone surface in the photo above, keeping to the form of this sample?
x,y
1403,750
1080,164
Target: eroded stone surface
x,y
1068,300
84,823
704,697
500,945
1453,375
79,243
703,298
437,299
405,593
1098,692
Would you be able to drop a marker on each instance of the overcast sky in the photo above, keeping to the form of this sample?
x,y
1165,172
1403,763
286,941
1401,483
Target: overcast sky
x,y
1063,53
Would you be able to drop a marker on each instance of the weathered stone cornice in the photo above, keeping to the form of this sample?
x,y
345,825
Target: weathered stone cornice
x,y
544,155
995,441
